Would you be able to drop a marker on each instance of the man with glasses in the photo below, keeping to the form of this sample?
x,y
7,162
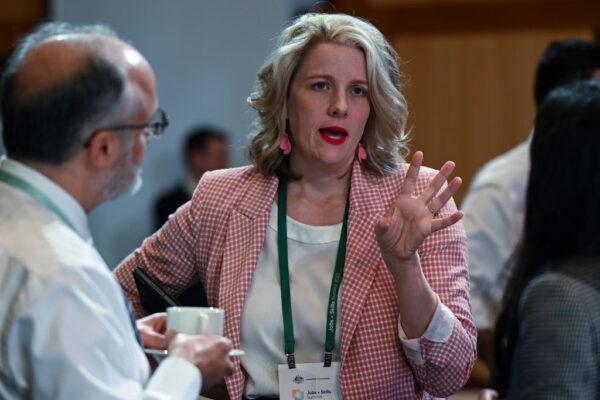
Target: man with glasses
x,y
78,109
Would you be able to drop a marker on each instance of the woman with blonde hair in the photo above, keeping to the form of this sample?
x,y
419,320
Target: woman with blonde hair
x,y
338,264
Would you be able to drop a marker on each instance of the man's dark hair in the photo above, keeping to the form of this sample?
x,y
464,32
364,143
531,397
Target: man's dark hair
x,y
47,125
199,137
563,62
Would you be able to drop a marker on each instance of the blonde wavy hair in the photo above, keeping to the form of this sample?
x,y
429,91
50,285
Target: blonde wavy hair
x,y
384,137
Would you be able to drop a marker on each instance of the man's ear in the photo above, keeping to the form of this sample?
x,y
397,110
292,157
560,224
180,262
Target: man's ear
x,y
103,150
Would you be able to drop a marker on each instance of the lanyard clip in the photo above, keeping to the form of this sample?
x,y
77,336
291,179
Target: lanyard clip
x,y
328,358
291,360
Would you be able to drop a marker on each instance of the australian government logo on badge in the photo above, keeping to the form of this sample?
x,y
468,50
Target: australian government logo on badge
x,y
309,382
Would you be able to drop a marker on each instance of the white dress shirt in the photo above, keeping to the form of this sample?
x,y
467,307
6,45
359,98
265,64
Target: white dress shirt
x,y
65,332
312,252
494,211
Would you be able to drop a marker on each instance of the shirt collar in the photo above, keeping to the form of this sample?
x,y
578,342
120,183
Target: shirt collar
x,y
63,200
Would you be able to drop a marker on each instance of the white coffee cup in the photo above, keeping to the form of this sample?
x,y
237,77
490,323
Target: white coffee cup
x,y
196,320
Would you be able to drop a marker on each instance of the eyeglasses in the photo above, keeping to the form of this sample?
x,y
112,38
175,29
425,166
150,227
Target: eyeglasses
x,y
157,126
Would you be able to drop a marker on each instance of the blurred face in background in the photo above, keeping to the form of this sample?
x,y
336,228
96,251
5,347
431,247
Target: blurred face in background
x,y
214,156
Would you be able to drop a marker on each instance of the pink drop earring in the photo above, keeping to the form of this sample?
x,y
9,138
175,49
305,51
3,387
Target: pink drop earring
x,y
285,145
362,153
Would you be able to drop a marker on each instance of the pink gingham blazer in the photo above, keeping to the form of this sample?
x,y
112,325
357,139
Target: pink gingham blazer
x,y
218,236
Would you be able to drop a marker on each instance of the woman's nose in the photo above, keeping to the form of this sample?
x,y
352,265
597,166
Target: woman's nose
x,y
339,105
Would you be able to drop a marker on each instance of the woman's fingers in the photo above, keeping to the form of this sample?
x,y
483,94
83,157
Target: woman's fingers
x,y
408,221
437,182
436,204
410,180
428,196
441,223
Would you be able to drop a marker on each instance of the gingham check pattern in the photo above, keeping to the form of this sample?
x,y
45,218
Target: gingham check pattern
x,y
218,236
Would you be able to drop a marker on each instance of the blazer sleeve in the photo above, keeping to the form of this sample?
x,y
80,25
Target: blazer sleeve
x,y
172,255
445,365
556,352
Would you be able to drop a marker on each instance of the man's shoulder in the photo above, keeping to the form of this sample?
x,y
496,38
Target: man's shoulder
x,y
506,170
37,274
23,221
34,237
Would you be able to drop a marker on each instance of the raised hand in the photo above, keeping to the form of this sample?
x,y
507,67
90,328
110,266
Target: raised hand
x,y
402,229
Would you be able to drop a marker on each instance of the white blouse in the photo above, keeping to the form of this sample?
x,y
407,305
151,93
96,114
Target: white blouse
x,y
311,252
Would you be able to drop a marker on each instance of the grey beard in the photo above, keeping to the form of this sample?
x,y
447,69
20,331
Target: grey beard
x,y
120,182
136,184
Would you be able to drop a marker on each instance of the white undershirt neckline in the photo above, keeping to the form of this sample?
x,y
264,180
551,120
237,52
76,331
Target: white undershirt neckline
x,y
308,234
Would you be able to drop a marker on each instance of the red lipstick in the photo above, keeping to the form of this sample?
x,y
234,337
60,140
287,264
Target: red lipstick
x,y
334,134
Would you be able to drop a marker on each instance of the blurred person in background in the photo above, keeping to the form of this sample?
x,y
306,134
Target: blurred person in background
x,y
79,107
328,202
495,204
547,337
205,150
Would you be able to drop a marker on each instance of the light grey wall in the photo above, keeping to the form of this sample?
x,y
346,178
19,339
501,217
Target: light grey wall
x,y
205,55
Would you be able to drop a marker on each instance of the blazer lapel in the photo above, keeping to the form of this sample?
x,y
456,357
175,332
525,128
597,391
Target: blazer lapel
x,y
246,231
363,256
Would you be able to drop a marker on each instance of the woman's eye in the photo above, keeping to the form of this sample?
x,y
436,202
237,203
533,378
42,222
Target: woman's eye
x,y
359,91
320,86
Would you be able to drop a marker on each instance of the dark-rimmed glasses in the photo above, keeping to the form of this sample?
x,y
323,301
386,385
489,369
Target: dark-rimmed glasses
x,y
157,126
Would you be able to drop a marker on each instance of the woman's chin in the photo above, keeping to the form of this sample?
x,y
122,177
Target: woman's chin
x,y
327,161
336,166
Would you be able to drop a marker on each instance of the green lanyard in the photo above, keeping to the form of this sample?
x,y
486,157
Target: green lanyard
x,y
26,187
286,304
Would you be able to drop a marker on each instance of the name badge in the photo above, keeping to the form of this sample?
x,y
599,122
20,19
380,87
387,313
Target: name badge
x,y
310,381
